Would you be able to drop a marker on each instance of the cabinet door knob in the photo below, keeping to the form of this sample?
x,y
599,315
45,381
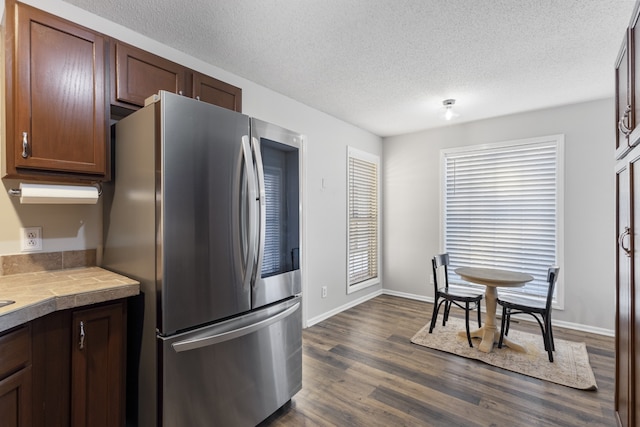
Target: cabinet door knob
x,y
82,334
25,145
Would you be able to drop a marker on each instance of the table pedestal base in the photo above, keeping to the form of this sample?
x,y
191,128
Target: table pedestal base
x,y
490,337
492,278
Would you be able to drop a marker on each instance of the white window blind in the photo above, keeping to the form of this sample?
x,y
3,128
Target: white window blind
x,y
501,208
363,222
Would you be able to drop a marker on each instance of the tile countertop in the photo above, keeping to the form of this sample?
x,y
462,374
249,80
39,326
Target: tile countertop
x,y
38,294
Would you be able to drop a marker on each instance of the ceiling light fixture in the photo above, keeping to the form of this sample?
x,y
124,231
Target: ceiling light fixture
x,y
448,105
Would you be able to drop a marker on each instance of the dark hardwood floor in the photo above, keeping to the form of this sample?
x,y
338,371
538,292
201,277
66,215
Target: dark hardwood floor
x,y
360,369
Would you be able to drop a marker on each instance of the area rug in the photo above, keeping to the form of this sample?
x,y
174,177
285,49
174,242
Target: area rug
x,y
570,365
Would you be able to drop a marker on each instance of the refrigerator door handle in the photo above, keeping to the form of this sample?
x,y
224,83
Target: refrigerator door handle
x,y
195,343
255,147
252,197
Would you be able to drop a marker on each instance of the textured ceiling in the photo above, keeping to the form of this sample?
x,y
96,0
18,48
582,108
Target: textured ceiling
x,y
387,65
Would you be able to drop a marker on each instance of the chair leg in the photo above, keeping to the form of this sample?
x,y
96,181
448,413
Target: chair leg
x,y
503,323
434,315
548,336
550,329
466,322
506,330
479,319
547,344
445,316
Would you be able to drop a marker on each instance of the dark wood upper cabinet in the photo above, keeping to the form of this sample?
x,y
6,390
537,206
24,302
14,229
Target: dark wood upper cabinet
x,y
137,74
623,101
627,80
213,91
56,96
64,82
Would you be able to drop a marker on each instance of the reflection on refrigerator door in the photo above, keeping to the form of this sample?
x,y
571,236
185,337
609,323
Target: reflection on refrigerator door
x,y
234,372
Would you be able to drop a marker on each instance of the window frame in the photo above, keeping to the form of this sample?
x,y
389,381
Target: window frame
x,y
360,155
558,300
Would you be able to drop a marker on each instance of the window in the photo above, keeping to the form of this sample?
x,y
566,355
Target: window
x,y
500,208
363,224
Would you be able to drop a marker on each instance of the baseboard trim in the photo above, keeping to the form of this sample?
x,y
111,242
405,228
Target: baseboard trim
x,y
328,314
559,323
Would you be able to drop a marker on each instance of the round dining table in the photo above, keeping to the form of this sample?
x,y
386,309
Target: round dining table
x,y
492,278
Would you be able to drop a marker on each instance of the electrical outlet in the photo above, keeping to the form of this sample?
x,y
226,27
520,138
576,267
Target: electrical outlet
x,y
31,239
324,292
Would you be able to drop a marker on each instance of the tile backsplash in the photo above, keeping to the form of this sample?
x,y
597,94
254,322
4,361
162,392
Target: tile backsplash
x,y
48,261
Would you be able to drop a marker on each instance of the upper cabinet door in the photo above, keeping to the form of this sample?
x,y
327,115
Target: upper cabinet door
x,y
634,79
627,81
216,92
136,75
56,86
624,111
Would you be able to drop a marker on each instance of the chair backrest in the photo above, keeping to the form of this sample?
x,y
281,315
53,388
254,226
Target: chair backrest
x,y
552,277
440,261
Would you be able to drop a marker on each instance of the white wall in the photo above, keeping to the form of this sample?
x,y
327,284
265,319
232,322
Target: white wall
x,y
324,249
411,186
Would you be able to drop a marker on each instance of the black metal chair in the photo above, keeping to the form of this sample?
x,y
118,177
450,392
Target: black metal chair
x,y
539,310
467,299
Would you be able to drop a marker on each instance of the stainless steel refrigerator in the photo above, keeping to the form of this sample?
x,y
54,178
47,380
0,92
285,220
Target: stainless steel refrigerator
x,y
204,211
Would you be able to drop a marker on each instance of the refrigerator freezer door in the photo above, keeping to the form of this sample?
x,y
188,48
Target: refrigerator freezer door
x,y
202,209
235,373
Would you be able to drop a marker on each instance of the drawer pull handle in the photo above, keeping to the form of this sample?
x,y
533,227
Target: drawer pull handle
x,y
82,334
25,145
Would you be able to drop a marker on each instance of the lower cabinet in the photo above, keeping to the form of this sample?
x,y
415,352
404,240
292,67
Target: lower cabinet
x,y
15,399
79,367
15,377
97,367
627,387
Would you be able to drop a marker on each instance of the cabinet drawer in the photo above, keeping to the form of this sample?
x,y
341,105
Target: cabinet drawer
x,y
15,350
